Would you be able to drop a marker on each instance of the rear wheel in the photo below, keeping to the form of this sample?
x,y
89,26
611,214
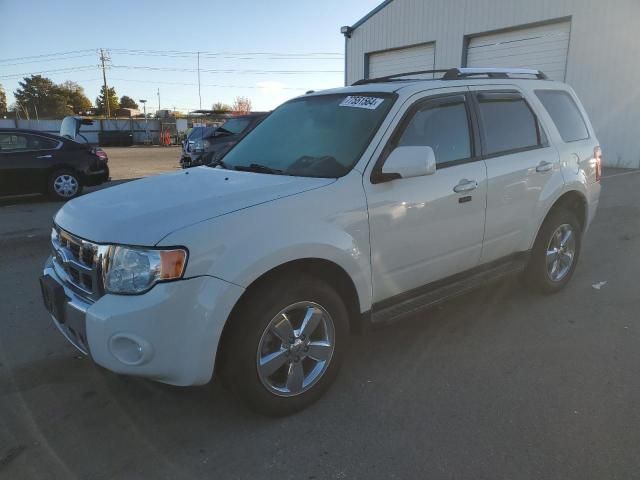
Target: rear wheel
x,y
555,253
64,185
285,345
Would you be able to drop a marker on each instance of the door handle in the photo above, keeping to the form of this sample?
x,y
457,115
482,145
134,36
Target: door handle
x,y
544,166
465,186
44,156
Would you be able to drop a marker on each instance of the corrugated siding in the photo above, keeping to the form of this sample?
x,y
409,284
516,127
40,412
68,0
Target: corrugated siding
x,y
602,61
543,47
402,60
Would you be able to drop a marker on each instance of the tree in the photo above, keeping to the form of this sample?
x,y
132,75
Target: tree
x,y
241,106
128,102
3,101
112,99
39,97
220,107
75,97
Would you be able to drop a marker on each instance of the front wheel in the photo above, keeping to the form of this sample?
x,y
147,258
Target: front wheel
x,y
64,185
555,253
285,345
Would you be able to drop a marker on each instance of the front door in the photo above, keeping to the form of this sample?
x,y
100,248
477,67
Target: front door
x,y
426,228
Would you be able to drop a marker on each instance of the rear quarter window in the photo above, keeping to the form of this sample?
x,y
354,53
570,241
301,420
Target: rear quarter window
x,y
565,114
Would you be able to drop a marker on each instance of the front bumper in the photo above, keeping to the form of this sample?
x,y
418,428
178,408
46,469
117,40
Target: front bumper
x,y
169,334
191,159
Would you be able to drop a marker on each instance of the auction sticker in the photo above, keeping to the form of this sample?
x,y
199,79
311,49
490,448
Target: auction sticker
x,y
370,103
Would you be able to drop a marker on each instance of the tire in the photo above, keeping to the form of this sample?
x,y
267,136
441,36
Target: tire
x,y
64,185
257,333
561,225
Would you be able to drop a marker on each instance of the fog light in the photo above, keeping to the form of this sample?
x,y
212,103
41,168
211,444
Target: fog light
x,y
130,349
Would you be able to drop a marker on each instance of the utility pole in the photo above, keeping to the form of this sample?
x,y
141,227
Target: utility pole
x,y
105,58
199,95
158,99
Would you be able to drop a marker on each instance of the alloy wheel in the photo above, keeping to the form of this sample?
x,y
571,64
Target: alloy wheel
x,y
295,349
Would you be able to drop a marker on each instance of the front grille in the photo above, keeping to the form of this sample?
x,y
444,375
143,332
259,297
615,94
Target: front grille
x,y
78,262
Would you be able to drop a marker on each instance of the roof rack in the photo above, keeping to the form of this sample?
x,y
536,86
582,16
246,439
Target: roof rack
x,y
458,74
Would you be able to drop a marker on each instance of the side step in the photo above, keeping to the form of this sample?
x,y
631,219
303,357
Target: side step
x,y
406,304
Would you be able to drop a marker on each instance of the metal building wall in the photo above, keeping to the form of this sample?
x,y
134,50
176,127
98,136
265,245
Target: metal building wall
x,y
602,64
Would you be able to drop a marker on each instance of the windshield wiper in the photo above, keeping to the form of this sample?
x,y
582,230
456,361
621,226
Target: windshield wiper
x,y
256,167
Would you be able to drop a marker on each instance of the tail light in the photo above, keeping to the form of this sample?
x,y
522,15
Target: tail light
x,y
597,154
101,154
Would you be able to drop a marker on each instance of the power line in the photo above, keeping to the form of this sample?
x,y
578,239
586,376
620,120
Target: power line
x,y
47,55
204,84
174,69
49,59
57,70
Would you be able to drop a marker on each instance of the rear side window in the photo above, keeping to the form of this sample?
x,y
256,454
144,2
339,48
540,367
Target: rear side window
x,y
508,123
565,114
444,128
11,141
40,143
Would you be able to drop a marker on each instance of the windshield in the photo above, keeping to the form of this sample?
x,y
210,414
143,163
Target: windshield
x,y
201,132
317,136
235,125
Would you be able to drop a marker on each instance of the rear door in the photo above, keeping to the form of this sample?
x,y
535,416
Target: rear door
x,y
426,228
522,167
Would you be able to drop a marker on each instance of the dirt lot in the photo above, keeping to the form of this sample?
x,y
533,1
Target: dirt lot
x,y
500,383
137,162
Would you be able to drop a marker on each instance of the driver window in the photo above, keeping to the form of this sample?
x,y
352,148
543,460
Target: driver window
x,y
445,128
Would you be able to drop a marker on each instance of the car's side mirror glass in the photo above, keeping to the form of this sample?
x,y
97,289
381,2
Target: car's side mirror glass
x,y
408,162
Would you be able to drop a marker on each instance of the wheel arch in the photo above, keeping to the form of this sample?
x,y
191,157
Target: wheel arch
x,y
329,271
574,201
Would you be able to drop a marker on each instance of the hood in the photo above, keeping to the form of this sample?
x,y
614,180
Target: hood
x,y
144,211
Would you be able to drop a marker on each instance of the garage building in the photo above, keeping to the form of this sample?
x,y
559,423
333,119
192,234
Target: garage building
x,y
591,44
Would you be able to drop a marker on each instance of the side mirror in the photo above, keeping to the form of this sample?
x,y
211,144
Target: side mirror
x,y
408,162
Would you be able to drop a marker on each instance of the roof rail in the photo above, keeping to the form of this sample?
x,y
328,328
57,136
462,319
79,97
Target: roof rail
x,y
398,77
456,74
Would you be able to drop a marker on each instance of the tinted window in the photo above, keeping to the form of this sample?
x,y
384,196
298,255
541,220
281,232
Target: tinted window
x,y
508,124
565,114
11,141
40,143
444,128
235,125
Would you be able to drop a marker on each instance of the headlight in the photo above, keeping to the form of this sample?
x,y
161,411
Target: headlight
x,y
136,270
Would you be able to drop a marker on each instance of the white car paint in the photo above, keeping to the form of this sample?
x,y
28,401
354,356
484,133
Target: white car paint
x,y
388,237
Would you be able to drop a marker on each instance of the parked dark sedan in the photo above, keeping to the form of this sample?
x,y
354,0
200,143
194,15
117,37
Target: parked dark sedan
x,y
206,144
36,162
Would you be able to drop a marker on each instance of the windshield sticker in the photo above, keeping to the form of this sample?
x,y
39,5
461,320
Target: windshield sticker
x,y
370,103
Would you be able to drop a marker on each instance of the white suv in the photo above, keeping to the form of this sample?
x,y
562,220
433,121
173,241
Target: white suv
x,y
344,207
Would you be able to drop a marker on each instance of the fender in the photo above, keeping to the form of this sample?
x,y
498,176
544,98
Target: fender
x,y
244,245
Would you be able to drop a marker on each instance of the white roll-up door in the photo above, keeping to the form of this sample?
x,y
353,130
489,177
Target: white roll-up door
x,y
401,60
543,47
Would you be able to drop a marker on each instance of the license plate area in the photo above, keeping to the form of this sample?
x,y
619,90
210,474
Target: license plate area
x,y
54,298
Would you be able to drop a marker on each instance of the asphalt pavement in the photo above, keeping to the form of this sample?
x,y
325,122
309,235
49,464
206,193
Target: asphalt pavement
x,y
499,383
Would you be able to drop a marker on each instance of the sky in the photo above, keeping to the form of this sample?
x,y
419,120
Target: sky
x,y
268,51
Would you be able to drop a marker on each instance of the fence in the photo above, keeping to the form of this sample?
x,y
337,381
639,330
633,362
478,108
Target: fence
x,y
138,127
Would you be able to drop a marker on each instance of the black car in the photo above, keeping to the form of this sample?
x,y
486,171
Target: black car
x,y
206,144
36,162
